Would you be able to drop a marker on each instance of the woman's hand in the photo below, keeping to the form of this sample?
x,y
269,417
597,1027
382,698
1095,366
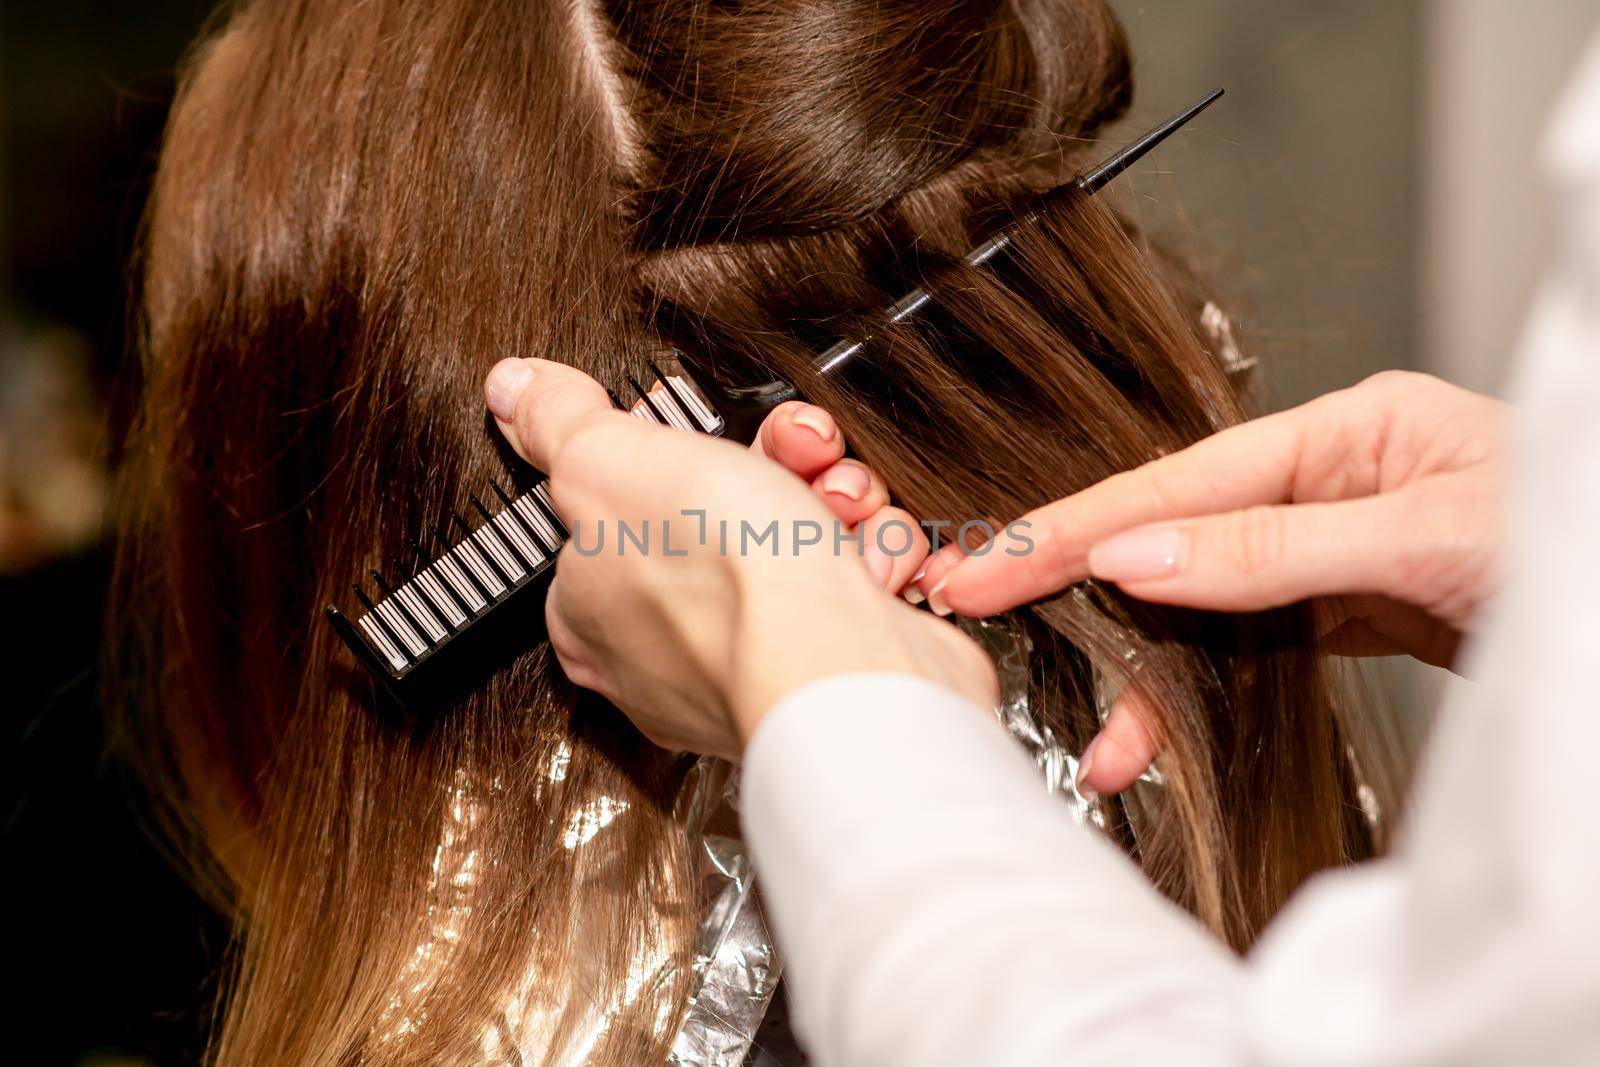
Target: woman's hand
x,y
1381,500
704,582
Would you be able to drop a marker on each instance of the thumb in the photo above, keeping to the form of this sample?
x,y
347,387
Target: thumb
x,y
1123,750
538,405
1265,557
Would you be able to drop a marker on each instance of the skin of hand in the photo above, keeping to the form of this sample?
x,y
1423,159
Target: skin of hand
x,y
693,641
1380,502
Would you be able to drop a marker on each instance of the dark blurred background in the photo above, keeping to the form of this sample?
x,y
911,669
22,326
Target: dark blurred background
x,y
111,953
1364,198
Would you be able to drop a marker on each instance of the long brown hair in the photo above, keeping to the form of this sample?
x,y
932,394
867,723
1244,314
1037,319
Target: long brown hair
x,y
361,207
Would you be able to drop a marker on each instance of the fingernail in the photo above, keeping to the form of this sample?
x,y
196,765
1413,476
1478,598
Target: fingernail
x,y
936,600
921,572
1085,762
1138,555
817,421
847,480
913,595
505,385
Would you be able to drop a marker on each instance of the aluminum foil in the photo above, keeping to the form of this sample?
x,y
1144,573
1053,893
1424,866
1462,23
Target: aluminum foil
x,y
1218,330
1008,645
736,965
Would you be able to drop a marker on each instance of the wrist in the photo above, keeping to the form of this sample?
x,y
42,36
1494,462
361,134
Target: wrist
x,y
798,624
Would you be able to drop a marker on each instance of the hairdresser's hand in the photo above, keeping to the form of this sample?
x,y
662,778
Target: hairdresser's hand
x,y
1382,501
696,643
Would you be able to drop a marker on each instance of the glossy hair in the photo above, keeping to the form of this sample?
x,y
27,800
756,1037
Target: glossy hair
x,y
360,208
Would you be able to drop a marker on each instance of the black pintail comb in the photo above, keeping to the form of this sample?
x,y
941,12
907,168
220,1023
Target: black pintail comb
x,y
470,597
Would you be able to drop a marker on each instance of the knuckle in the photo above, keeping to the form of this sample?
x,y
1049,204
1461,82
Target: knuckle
x,y
1445,560
1253,540
1345,451
1397,381
1398,388
546,392
1050,554
564,643
589,435
1160,490
919,535
896,533
1058,558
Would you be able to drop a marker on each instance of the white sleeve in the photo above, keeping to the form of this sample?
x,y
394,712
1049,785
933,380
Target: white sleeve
x,y
934,906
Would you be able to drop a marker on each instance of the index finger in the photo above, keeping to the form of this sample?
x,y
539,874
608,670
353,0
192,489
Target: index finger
x,y
538,404
1252,463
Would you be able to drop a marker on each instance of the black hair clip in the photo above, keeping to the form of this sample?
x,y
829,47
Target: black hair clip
x,y
456,611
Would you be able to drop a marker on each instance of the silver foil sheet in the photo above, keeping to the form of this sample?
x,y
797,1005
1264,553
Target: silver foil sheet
x,y
735,963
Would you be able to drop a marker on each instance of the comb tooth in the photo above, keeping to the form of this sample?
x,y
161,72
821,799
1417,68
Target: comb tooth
x,y
383,624
509,527
374,634
648,412
510,513
464,569
670,396
368,643
431,563
488,579
447,582
453,570
434,627
428,599
616,401
689,398
649,401
541,496
434,596
395,656
495,551
483,575
488,573
488,541
432,613
398,604
545,529
494,547
667,405
408,631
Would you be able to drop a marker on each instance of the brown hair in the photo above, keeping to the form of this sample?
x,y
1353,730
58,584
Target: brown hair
x,y
360,208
